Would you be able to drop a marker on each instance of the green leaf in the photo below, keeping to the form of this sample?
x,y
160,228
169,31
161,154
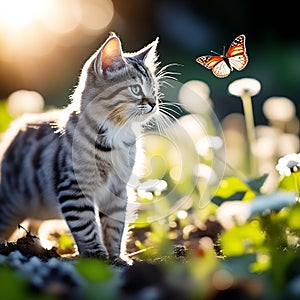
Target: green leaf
x,y
290,183
256,183
294,217
239,266
94,269
14,286
5,117
243,239
232,188
235,197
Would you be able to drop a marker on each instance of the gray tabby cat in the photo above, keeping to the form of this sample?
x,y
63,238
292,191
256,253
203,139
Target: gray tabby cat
x,y
75,163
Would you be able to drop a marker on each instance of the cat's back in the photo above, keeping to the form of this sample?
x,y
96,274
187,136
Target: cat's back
x,y
29,152
29,131
29,164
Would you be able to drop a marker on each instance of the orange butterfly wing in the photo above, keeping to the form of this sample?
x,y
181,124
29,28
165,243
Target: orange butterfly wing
x,y
209,61
216,63
236,53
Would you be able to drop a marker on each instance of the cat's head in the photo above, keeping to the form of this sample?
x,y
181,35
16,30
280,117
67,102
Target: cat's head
x,y
119,86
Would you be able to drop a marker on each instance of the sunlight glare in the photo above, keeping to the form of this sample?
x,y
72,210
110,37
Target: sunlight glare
x,y
30,28
96,17
62,16
15,14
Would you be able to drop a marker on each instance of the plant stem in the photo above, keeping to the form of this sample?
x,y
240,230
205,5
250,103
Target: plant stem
x,y
296,176
248,111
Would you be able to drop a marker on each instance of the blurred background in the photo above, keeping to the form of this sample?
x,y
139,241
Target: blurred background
x,y
44,44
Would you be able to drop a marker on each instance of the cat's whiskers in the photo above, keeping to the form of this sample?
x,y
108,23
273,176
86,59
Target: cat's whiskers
x,y
162,120
162,75
136,116
167,106
168,116
163,124
163,69
165,83
167,75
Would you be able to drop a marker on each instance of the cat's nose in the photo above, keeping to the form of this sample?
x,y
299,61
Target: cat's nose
x,y
151,102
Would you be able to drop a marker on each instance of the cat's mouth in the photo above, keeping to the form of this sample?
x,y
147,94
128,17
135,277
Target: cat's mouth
x,y
146,109
147,106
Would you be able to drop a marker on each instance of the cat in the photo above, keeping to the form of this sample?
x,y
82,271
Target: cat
x,y
75,163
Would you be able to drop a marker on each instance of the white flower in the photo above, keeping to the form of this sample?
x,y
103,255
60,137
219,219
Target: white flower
x,y
288,164
245,85
233,212
153,186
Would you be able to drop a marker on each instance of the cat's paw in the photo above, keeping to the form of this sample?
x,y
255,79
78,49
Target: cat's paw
x,y
119,262
96,254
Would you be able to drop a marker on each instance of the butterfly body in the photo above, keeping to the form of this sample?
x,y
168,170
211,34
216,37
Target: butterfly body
x,y
227,62
222,65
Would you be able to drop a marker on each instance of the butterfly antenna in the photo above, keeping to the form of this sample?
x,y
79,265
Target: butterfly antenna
x,y
223,50
215,52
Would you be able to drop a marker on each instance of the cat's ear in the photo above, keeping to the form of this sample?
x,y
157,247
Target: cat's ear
x,y
148,55
110,56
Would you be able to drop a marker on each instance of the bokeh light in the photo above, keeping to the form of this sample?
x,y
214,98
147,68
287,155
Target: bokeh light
x,y
279,109
22,102
36,27
194,96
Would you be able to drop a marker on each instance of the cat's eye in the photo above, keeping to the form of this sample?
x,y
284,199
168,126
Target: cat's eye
x,y
136,91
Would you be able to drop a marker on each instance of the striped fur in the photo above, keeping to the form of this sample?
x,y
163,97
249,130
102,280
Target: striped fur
x,y
75,163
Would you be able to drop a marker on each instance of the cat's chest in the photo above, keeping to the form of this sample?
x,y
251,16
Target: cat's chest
x,y
115,167
122,158
121,151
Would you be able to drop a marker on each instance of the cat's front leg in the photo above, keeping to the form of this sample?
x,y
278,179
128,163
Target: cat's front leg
x,y
79,212
89,240
113,223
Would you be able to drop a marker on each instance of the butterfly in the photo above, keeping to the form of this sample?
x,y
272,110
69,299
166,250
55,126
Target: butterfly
x,y
222,65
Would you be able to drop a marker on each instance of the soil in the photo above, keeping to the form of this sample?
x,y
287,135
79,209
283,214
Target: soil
x,y
29,246
148,276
